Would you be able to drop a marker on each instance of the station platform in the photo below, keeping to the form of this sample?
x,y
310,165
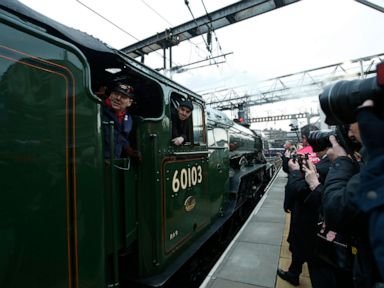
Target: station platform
x,y
259,248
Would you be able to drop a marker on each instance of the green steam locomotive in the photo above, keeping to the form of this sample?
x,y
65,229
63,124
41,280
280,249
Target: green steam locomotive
x,y
71,218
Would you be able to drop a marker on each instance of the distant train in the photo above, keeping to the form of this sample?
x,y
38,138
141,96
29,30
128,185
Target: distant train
x,y
69,217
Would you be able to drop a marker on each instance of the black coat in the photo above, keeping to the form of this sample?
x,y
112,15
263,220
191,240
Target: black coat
x,y
341,185
285,160
305,206
342,215
180,128
121,133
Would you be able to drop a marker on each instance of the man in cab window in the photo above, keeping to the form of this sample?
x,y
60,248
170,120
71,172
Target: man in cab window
x,y
181,128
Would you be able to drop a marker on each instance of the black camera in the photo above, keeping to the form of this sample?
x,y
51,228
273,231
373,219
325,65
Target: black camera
x,y
292,149
319,140
339,101
299,158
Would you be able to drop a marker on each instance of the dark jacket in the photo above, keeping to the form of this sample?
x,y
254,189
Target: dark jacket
x,y
371,200
180,128
371,195
340,186
343,215
305,208
285,160
313,200
121,133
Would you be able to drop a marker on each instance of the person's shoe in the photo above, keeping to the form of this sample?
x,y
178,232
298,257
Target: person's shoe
x,y
289,277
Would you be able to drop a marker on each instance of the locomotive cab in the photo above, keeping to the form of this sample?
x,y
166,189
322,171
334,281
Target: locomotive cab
x,y
160,205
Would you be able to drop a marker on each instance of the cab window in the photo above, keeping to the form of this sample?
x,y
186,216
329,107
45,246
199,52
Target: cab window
x,y
196,133
198,125
217,137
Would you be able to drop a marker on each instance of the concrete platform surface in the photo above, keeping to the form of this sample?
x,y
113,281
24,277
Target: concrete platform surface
x,y
260,247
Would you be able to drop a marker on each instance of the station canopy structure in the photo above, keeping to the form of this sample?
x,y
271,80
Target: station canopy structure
x,y
206,24
308,83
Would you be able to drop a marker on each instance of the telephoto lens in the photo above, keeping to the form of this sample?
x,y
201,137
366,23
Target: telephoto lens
x,y
340,101
319,140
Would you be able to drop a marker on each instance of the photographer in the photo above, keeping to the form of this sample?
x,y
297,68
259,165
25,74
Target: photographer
x,y
340,212
289,149
304,215
342,190
341,185
293,205
305,151
370,198
322,274
306,148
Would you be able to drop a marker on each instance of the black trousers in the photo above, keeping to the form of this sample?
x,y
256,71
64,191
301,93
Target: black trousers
x,y
323,275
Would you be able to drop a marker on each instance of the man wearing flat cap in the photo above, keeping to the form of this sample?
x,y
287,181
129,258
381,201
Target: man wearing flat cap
x,y
116,107
181,124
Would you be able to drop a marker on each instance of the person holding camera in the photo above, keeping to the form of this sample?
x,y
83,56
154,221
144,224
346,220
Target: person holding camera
x,y
305,151
322,274
341,214
296,191
352,199
370,198
308,187
306,148
340,211
293,206
289,149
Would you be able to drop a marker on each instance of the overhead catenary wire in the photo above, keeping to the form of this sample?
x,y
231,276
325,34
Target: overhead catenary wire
x,y
157,13
106,19
210,29
197,25
195,45
211,26
166,20
182,68
163,18
112,23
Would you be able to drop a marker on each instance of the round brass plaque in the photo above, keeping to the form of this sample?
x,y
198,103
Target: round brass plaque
x,y
189,203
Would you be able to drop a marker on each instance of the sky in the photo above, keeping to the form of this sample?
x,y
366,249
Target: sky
x,y
301,36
